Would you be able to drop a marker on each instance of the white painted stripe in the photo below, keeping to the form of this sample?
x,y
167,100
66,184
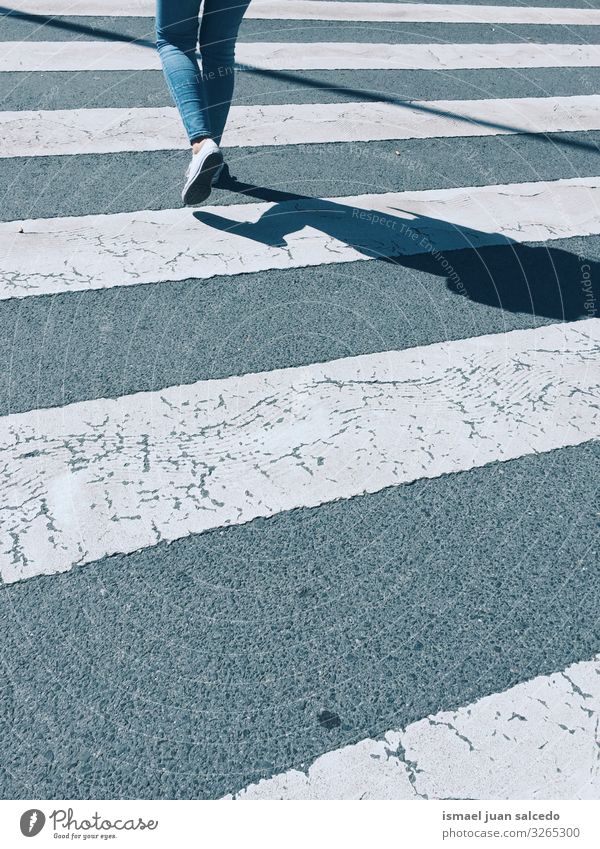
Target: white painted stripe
x,y
419,12
537,740
337,11
115,56
99,477
74,131
48,256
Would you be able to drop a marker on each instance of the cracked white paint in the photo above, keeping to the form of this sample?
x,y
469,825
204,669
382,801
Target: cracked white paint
x,y
337,11
63,132
48,256
116,56
104,476
538,740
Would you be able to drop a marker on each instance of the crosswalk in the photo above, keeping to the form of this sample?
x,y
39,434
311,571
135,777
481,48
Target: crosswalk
x,y
511,744
293,56
339,10
299,487
120,475
72,132
127,249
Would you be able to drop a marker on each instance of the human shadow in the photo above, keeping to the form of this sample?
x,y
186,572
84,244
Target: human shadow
x,y
485,267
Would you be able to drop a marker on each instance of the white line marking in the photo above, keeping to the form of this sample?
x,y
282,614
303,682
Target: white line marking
x,y
535,741
98,477
49,256
73,131
337,11
115,56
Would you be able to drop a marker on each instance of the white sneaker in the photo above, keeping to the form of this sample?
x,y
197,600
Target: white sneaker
x,y
200,173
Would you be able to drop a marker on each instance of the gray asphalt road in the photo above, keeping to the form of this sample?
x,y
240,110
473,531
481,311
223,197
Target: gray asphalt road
x,y
191,669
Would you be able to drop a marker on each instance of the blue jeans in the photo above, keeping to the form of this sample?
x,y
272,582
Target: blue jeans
x,y
203,97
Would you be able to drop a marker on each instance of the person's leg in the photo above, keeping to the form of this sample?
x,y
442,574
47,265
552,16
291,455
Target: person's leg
x,y
219,27
176,40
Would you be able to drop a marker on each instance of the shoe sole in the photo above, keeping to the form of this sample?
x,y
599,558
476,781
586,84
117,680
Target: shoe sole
x,y
199,189
217,174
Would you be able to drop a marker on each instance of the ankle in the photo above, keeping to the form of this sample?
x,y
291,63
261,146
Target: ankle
x,y
197,144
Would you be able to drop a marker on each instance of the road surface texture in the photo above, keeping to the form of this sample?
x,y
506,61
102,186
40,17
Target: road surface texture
x,y
299,491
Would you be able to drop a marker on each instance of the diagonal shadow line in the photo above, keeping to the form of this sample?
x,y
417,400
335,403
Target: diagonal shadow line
x,y
57,22
287,76
381,97
71,26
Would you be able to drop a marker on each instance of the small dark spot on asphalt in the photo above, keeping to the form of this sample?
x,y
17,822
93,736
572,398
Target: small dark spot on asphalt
x,y
418,645
329,720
